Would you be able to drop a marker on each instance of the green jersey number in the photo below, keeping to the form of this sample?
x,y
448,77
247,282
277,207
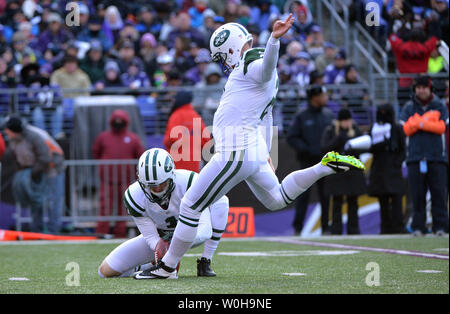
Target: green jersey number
x,y
266,109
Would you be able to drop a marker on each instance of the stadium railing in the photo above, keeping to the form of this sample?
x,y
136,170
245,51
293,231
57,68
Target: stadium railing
x,y
368,57
326,14
83,176
91,182
386,88
155,103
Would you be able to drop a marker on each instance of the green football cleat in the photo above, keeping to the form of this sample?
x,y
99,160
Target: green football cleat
x,y
340,163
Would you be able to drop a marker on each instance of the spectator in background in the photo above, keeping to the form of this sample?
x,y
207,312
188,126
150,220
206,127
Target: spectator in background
x,y
230,13
301,68
129,33
94,31
148,53
184,29
400,18
111,78
261,14
84,19
302,24
41,97
127,55
55,34
304,136
411,56
112,24
352,97
115,143
292,50
244,18
207,101
314,42
3,40
8,56
196,12
437,20
70,49
208,26
70,76
41,175
147,22
349,184
134,77
425,120
436,63
29,31
183,61
10,78
195,74
185,127
94,62
385,179
316,77
3,68
218,21
21,49
337,68
168,26
287,98
161,75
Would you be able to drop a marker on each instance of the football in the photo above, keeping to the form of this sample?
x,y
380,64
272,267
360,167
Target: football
x,y
161,249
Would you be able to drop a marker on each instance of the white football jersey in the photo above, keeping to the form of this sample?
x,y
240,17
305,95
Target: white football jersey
x,y
246,100
138,205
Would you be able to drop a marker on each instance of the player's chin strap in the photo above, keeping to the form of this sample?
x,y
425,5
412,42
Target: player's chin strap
x,y
161,198
221,58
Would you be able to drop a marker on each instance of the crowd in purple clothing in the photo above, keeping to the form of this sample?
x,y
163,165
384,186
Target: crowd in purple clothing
x,y
151,43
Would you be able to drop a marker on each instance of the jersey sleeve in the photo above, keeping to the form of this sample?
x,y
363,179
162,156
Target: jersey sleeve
x,y
148,230
265,61
132,201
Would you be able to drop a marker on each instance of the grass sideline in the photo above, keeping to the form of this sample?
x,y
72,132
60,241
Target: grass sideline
x,y
44,264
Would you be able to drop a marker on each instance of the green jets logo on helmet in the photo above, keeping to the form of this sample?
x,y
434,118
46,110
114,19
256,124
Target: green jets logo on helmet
x,y
221,38
168,164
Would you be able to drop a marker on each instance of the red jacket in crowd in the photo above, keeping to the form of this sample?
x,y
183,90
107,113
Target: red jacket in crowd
x,y
2,145
188,133
411,56
117,143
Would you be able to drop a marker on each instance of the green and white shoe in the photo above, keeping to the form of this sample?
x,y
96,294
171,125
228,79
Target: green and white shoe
x,y
340,163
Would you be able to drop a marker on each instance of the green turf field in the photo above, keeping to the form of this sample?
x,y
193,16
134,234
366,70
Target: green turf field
x,y
254,266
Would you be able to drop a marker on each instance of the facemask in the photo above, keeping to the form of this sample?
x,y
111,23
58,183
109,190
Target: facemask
x,y
159,194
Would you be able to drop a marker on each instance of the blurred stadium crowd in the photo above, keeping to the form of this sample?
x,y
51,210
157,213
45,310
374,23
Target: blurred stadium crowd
x,y
158,44
143,44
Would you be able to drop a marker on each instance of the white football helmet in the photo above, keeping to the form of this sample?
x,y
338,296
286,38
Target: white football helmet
x,y
226,44
155,167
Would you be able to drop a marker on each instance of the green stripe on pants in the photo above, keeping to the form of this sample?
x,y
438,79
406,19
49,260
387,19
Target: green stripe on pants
x,y
236,170
219,176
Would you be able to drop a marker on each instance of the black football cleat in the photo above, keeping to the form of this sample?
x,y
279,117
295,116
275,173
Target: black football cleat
x,y
204,268
159,271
